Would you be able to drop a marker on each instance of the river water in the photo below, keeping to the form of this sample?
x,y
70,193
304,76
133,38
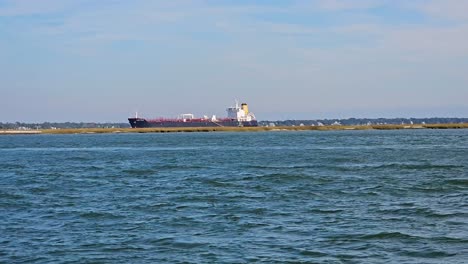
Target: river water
x,y
263,197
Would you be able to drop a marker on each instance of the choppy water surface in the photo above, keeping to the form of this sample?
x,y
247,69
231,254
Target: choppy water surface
x,y
285,197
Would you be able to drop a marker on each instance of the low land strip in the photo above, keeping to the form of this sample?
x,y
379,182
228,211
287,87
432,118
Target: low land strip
x,y
231,129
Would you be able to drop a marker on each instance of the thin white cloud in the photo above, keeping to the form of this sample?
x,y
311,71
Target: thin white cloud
x,y
446,9
28,7
429,42
334,5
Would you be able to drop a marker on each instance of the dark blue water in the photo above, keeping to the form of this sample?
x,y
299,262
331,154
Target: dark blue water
x,y
267,197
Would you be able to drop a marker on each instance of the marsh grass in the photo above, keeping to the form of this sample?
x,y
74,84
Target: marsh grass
x,y
247,129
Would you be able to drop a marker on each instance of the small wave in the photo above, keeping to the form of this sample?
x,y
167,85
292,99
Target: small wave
x,y
450,240
257,211
404,211
163,241
463,182
426,166
187,245
121,248
439,188
39,190
280,167
325,211
99,215
375,187
249,225
427,253
403,236
407,204
312,253
425,212
407,166
387,235
139,172
446,215
95,168
13,166
217,183
79,159
180,166
455,223
10,196
160,205
284,177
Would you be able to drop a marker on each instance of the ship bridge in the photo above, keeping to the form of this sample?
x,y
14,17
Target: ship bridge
x,y
240,113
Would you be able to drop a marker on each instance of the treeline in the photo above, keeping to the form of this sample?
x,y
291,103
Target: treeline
x,y
56,125
365,121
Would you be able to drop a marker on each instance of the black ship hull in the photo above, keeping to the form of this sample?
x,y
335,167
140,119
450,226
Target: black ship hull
x,y
142,123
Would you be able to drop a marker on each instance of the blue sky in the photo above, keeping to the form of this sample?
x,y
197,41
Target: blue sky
x,y
86,60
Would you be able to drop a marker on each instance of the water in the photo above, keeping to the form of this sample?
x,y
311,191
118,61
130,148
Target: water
x,y
266,197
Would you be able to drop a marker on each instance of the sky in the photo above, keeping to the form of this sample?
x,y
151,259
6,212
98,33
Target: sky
x,y
101,61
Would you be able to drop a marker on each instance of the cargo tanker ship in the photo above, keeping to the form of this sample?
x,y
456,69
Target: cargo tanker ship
x,y
237,116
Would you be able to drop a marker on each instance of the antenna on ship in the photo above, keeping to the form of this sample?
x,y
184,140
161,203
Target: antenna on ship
x,y
136,114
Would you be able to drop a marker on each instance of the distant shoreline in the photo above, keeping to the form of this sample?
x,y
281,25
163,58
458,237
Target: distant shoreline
x,y
19,132
230,129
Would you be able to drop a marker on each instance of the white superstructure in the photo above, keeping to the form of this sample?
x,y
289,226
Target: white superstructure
x,y
240,113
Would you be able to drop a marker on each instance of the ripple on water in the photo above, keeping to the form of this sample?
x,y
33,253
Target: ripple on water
x,y
459,182
95,215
